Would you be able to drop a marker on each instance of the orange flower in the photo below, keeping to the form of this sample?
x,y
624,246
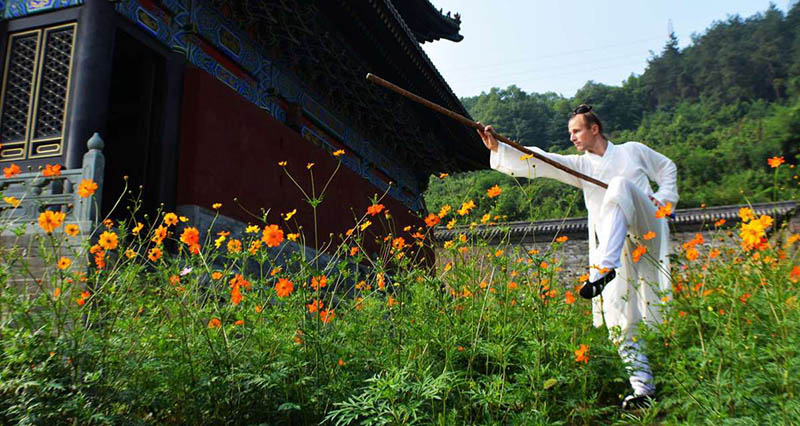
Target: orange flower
x,y
794,275
399,243
649,236
393,302
638,252
353,250
159,235
338,152
254,247
108,240
569,298
234,246
744,297
272,236
130,253
238,322
64,263
583,278
692,254
236,295
284,287
86,188
443,175
50,170
12,200
562,239
56,293
774,162
341,362
11,170
664,211
381,281
50,220
170,219
191,237
719,223
713,253
314,306
432,220
71,230
375,209
214,323
216,275
581,354
327,315
444,211
319,282
494,191
154,254
84,295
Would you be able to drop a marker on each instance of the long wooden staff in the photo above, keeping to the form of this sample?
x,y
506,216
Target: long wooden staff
x,y
467,122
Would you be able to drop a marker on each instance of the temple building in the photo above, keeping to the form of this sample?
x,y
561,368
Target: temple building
x,y
199,100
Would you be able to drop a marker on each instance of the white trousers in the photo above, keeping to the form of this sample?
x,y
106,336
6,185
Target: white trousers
x,y
615,227
638,367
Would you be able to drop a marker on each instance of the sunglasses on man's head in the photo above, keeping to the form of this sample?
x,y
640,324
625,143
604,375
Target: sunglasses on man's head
x,y
582,109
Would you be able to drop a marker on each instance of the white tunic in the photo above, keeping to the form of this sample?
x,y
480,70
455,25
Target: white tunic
x,y
635,295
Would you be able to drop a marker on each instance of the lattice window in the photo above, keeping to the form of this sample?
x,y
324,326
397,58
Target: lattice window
x,y
34,94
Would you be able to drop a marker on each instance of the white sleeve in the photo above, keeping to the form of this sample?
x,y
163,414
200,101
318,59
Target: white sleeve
x,y
509,160
663,171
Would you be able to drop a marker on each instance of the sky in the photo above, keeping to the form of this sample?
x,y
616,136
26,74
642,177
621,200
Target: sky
x,y
557,46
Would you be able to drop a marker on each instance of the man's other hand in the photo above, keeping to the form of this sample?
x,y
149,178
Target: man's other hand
x,y
488,138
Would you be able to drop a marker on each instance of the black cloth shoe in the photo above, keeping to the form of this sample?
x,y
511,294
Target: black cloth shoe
x,y
594,288
635,402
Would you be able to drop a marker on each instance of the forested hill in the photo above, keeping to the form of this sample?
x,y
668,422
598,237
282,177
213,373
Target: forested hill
x,y
719,108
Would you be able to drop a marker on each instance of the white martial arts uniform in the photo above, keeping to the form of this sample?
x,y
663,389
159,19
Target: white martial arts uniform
x,y
624,208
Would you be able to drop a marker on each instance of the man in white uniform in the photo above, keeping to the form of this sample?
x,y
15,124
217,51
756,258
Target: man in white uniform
x,y
630,292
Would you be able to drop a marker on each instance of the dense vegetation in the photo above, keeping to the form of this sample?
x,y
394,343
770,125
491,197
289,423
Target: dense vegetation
x,y
171,324
719,108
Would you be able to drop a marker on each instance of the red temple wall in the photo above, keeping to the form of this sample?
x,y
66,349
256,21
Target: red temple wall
x,y
231,148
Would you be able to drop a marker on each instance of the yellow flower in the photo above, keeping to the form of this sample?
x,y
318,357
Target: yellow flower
x,y
466,207
130,253
282,163
526,157
444,210
234,246
309,166
183,219
292,237
170,219
365,225
448,244
137,228
216,206
12,200
289,215
108,240
443,175
64,263
485,218
451,224
338,152
252,229
746,214
71,230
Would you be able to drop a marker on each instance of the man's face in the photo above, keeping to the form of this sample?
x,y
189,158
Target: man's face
x,y
582,137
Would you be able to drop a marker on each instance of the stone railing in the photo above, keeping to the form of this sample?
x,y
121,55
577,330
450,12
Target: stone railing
x,y
38,193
